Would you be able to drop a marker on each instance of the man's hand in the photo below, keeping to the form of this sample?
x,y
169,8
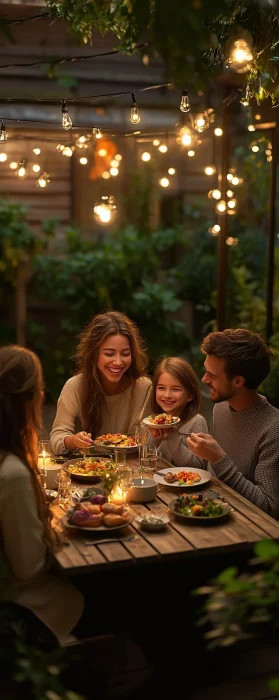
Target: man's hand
x,y
204,446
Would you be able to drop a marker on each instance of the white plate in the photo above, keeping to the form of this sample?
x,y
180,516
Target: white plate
x,y
84,477
205,477
152,527
201,518
161,426
97,530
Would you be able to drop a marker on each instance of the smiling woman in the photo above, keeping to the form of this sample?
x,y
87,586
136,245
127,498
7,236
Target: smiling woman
x,y
110,393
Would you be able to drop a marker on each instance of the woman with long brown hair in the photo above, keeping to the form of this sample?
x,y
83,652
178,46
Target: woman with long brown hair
x,y
26,536
110,393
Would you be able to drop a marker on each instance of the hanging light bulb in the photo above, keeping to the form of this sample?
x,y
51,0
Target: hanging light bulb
x,y
118,157
43,180
201,122
163,148
106,175
210,170
191,154
67,151
114,164
231,241
241,56
81,141
66,119
185,104
156,142
221,206
22,170
171,171
229,176
114,171
97,133
13,165
105,208
145,156
255,148
36,168
3,132
83,161
218,131
185,136
164,182
102,152
232,203
251,127
216,194
3,157
230,193
235,181
134,116
37,151
216,229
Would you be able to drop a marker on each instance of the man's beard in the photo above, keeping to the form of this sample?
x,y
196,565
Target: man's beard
x,y
221,397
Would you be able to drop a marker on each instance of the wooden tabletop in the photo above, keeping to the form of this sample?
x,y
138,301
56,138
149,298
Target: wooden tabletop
x,y
245,525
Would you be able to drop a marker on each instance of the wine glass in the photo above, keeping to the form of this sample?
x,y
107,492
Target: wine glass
x,y
141,434
43,476
149,458
125,479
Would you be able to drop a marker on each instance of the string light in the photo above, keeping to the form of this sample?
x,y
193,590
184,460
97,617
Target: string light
x,y
201,122
114,164
185,136
97,133
191,154
134,116
146,156
171,171
216,229
3,132
258,117
251,127
13,165
231,241
114,171
36,168
163,148
210,170
118,157
185,104
102,152
22,171
156,142
255,149
216,194
221,206
105,209
241,56
3,157
235,180
83,161
66,119
43,180
218,131
164,182
230,193
229,176
37,151
106,175
67,151
232,203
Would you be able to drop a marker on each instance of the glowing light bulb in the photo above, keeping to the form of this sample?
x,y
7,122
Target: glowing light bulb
x,y
22,170
36,168
229,176
221,206
201,121
230,193
191,154
105,215
235,180
82,139
146,156
244,102
232,203
216,228
218,131
37,151
3,157
163,148
171,171
106,175
66,119
210,170
255,149
118,157
13,165
83,161
3,132
241,56
251,127
43,180
164,182
156,142
216,194
97,133
114,171
102,152
67,151
185,104
134,116
114,164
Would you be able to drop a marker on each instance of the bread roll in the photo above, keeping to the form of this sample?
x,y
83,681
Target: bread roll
x,y
110,508
90,507
113,520
93,520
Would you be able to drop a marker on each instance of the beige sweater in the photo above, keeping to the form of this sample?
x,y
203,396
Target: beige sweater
x,y
51,598
120,415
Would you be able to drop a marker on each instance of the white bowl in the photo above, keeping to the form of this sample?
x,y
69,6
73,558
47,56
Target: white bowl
x,y
144,490
52,473
153,527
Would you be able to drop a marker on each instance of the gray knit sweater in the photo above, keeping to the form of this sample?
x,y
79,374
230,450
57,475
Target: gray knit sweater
x,y
250,439
174,447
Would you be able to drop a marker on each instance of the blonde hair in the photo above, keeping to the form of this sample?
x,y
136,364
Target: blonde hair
x,y
21,388
181,370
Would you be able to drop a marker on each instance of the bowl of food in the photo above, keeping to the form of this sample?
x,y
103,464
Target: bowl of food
x,y
116,440
197,507
152,522
162,421
90,469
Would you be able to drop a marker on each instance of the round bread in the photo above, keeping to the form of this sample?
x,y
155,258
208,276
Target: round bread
x,y
113,520
93,520
90,507
109,508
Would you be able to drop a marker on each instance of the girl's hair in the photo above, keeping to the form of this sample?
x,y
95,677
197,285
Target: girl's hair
x,y
101,326
21,388
184,373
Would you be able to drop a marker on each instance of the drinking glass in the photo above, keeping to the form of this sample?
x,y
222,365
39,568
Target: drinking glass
x,y
149,458
43,477
44,456
125,479
120,458
64,487
141,434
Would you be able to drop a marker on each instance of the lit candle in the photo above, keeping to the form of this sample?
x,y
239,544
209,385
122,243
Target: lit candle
x,y
44,459
118,497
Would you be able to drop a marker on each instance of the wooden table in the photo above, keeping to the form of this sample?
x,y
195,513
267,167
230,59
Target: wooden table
x,y
246,525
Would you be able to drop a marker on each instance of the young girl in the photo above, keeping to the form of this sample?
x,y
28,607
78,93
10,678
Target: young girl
x,y
26,535
176,392
110,393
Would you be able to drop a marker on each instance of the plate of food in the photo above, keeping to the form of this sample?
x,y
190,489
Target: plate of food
x,y
90,469
198,507
96,515
117,440
182,478
162,420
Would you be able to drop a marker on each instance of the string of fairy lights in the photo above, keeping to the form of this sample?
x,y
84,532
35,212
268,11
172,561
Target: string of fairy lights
x,y
187,135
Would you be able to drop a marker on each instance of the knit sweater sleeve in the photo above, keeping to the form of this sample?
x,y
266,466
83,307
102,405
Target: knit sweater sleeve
x,y
264,491
67,412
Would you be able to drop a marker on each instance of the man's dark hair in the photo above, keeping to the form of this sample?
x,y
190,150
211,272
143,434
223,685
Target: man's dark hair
x,y
245,354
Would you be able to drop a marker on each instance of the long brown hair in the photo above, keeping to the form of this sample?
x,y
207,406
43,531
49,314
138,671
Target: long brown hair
x,y
184,373
101,326
21,387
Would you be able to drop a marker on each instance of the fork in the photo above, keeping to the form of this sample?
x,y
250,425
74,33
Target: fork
x,y
129,538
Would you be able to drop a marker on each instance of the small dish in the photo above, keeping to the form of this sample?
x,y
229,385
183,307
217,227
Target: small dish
x,y
152,522
143,490
161,426
51,494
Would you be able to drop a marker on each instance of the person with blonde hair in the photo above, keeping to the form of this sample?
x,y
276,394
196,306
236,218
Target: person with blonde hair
x,y
110,392
27,538
176,392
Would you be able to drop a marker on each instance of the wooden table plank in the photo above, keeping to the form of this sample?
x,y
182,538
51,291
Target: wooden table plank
x,y
268,526
115,552
167,541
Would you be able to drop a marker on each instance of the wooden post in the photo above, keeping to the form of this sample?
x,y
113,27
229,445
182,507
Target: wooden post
x,y
271,233
222,272
21,304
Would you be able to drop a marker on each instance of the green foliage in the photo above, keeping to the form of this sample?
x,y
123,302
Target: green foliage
x,y
193,39
238,605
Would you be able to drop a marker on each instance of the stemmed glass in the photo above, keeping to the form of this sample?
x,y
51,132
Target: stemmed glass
x,y
141,434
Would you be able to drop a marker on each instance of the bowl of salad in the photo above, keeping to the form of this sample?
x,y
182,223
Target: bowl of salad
x,y
197,507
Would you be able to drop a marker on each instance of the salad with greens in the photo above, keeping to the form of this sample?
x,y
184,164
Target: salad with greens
x,y
197,505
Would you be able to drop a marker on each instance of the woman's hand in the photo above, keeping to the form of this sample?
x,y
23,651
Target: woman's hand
x,y
83,439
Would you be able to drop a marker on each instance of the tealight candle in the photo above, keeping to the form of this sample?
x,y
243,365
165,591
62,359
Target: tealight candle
x,y
44,459
117,497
